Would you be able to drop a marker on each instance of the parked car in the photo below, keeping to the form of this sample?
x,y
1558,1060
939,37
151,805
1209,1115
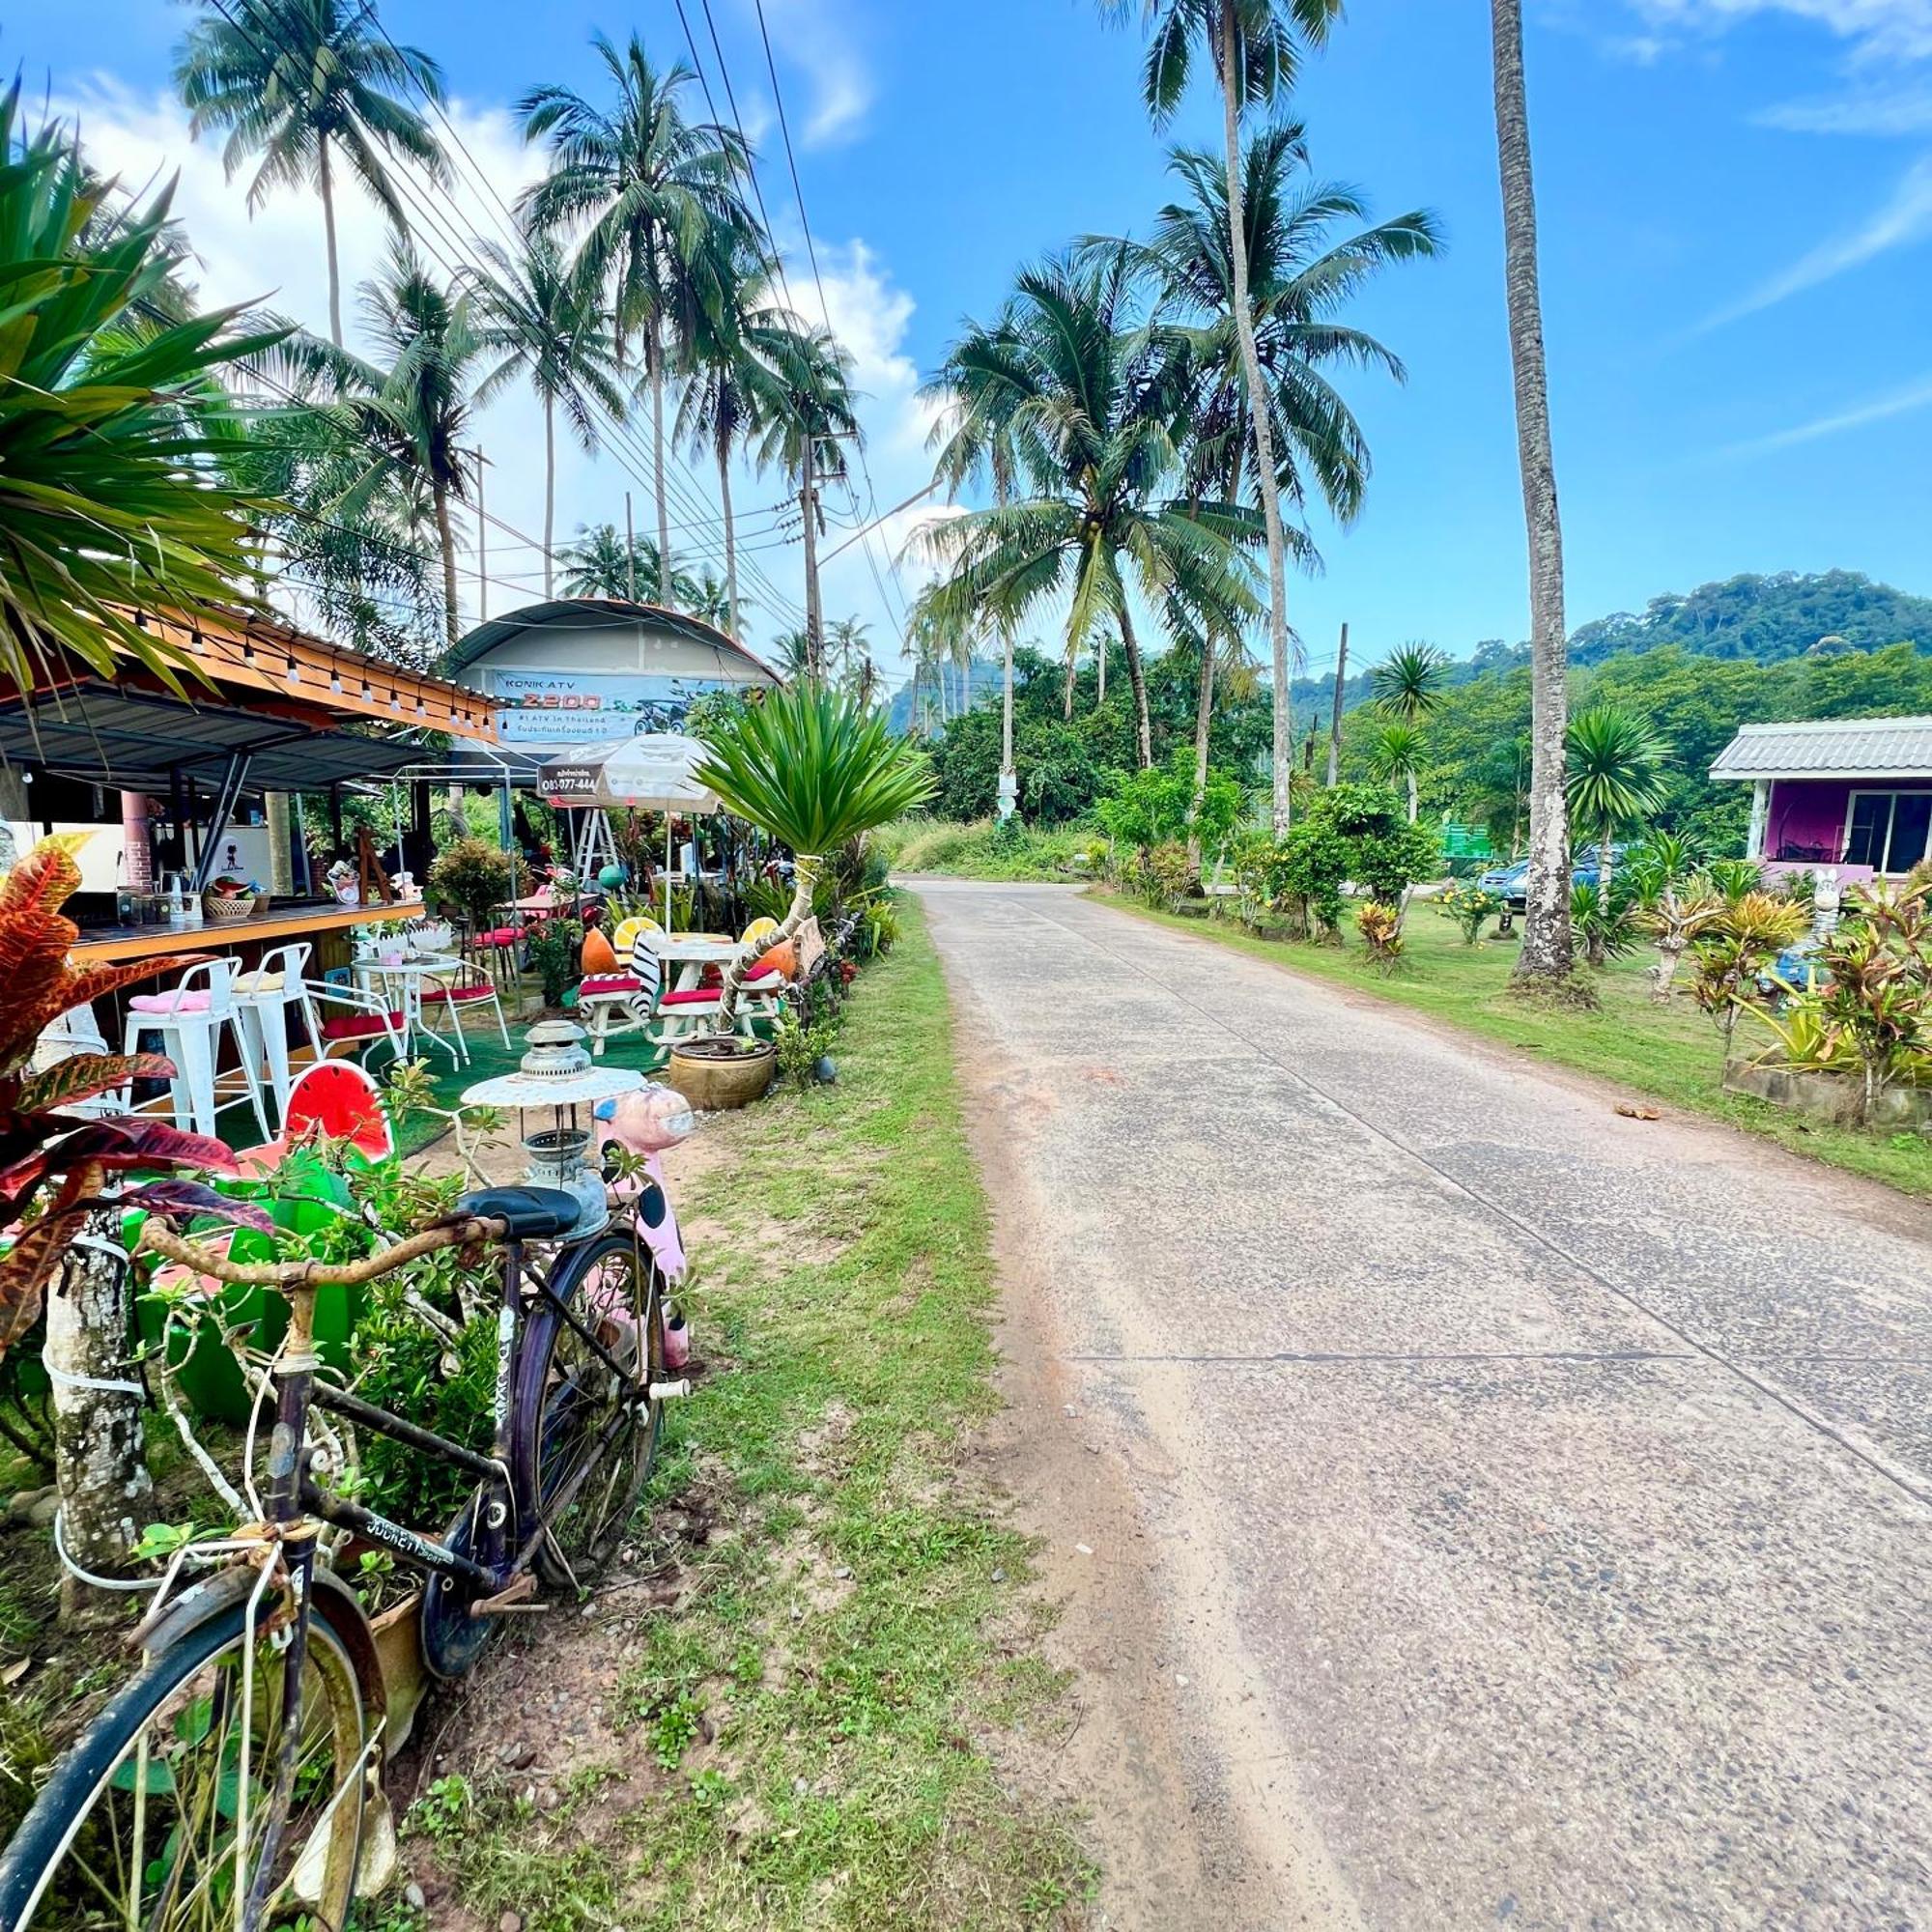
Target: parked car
x,y
1509,881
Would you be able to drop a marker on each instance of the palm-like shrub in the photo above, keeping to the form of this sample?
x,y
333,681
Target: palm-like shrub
x,y
110,422
1613,774
814,770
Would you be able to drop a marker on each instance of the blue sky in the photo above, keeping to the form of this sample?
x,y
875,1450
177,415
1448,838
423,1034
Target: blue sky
x,y
1736,201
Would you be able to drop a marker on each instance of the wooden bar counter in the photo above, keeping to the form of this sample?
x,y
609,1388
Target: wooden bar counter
x,y
277,926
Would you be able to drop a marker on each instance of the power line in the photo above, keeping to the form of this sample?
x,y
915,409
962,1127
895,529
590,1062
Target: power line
x,y
618,434
825,307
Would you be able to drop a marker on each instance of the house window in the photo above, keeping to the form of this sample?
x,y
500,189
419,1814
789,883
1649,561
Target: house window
x,y
1888,831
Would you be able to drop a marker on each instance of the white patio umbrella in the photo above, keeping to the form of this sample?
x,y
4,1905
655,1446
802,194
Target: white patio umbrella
x,y
648,773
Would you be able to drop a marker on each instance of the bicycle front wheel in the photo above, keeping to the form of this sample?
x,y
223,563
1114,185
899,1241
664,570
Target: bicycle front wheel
x,y
156,1817
586,1435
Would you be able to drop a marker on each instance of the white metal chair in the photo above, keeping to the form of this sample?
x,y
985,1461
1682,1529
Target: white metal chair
x,y
191,1019
459,988
262,997
363,1022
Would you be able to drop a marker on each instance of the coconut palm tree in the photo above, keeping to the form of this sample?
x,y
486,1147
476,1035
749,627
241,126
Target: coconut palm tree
x,y
1254,46
811,424
791,652
1300,279
600,564
731,387
111,424
410,402
1548,955
550,328
649,191
1093,434
1395,756
814,769
708,595
296,82
1614,776
972,437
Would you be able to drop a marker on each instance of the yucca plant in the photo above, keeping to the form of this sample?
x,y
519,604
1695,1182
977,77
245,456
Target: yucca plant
x,y
1614,775
111,422
813,769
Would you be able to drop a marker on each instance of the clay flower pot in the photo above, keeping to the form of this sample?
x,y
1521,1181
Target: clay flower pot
x,y
722,1070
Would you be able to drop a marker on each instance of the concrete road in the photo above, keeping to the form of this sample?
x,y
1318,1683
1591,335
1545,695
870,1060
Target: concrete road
x,y
1539,1501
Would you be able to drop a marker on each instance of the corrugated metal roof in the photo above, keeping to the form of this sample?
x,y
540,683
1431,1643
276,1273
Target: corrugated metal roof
x,y
1844,748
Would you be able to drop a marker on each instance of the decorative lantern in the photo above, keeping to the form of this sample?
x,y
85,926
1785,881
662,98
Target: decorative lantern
x,y
558,1077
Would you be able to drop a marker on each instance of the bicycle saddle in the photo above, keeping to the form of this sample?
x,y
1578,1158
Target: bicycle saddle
x,y
534,1213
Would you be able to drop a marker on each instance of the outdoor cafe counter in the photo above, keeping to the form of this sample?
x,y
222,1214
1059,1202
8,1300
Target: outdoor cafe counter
x,y
103,945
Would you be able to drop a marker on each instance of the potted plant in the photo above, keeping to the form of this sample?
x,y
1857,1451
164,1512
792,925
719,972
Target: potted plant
x,y
813,770
473,876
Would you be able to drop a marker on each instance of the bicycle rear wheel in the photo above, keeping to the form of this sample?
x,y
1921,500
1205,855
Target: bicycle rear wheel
x,y
143,1822
587,1437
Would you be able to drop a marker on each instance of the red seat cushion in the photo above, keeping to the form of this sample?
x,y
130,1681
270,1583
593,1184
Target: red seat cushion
x,y
698,996
759,973
502,935
609,982
359,1026
459,994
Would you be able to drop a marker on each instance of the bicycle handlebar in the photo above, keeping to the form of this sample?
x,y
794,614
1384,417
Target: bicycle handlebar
x,y
313,1274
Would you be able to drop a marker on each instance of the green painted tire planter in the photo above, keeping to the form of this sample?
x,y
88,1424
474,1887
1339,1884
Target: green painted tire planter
x,y
304,1197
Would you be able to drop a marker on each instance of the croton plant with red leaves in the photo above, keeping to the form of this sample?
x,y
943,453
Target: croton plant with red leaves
x,y
55,1162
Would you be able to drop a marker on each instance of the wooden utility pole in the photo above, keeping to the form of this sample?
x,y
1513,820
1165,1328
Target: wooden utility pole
x,y
1335,721
630,548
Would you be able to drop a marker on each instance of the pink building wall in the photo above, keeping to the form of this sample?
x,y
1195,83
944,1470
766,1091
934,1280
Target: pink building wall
x,y
1812,813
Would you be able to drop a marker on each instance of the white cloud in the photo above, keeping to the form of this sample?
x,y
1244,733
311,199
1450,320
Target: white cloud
x,y
1905,217
1863,110
1899,402
814,36
1873,29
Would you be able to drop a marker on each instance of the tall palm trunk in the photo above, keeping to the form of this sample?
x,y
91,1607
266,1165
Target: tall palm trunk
x,y
814,621
1411,794
1143,725
1203,714
445,538
654,368
730,530
1266,483
1547,953
550,489
1100,671
1067,692
328,192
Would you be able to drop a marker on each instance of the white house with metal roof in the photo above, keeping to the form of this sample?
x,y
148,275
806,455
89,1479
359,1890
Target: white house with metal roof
x,y
1855,793
579,671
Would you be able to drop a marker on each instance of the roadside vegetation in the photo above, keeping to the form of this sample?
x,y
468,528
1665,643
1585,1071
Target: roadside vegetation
x,y
987,849
813,1690
1671,1053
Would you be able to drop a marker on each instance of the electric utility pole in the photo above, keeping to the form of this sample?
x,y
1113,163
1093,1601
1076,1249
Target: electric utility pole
x,y
1335,721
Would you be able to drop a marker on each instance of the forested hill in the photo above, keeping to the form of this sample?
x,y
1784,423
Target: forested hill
x,y
1758,619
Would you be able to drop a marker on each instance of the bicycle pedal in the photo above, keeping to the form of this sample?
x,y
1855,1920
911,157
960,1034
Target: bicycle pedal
x,y
514,1601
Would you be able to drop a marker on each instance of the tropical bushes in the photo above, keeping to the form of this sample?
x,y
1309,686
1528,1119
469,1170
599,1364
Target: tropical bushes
x,y
474,875
1350,835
